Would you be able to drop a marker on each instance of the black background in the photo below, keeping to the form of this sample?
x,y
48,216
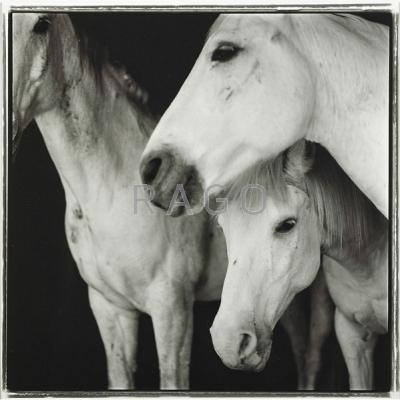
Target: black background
x,y
52,338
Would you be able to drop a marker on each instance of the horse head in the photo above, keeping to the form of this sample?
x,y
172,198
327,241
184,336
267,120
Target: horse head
x,y
274,253
37,56
248,97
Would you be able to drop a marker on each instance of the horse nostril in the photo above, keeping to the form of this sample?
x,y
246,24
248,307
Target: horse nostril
x,y
247,345
244,342
151,169
164,171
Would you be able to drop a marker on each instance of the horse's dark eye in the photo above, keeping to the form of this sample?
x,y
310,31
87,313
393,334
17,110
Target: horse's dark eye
x,y
225,52
286,226
42,25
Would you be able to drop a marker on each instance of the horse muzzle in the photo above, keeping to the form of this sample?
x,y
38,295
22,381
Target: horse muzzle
x,y
241,350
177,187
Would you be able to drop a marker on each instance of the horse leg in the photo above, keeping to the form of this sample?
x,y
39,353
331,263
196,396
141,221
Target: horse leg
x,y
294,322
171,311
118,330
357,345
321,321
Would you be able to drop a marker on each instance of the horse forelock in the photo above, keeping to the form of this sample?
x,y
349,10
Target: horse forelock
x,y
268,174
287,169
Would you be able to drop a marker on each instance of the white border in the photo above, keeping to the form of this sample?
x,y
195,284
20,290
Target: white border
x,y
193,5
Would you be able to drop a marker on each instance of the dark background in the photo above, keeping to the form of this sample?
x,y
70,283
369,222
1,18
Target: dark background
x,y
52,338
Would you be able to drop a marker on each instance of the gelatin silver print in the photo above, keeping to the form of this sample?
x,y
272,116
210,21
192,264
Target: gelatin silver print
x,y
199,201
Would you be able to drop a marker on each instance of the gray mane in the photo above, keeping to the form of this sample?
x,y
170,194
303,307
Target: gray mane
x,y
98,58
90,48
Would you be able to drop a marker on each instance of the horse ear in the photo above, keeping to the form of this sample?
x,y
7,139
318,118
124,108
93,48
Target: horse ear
x,y
298,160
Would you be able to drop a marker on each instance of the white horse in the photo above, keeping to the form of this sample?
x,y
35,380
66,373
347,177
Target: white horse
x,y
311,206
264,81
133,260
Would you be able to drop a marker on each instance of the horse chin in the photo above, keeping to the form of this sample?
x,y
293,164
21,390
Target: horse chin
x,y
261,365
254,363
258,363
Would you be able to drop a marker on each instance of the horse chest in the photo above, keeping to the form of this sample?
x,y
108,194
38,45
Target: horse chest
x,y
109,260
361,298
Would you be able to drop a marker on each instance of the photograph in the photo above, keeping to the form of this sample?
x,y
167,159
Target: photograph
x,y
199,201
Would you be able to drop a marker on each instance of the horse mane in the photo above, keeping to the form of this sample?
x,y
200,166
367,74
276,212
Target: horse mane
x,y
360,24
343,30
98,58
90,47
344,213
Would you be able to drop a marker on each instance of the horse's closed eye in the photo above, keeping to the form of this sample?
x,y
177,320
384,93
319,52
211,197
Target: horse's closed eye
x,y
286,226
225,52
42,25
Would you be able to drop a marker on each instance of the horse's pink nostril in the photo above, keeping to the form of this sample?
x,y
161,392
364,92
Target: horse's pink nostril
x,y
247,344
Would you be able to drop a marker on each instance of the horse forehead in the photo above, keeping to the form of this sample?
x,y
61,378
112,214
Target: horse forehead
x,y
252,217
242,24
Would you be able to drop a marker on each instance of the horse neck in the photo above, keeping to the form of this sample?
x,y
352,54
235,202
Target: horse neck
x,y
349,62
94,135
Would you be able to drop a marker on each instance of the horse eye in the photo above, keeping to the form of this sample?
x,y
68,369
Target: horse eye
x,y
286,226
42,25
225,52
